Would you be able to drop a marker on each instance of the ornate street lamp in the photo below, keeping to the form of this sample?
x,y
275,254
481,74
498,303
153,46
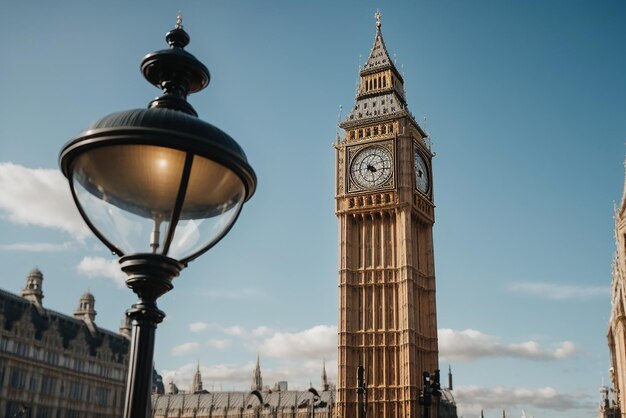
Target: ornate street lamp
x,y
158,187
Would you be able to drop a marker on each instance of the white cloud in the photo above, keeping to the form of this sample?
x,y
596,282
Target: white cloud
x,y
262,331
555,291
94,267
186,348
471,399
219,344
40,197
234,330
225,376
232,377
469,345
197,326
314,343
37,247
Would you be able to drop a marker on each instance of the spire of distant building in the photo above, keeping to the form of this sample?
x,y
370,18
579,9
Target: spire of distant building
x,y
325,385
196,384
257,380
449,377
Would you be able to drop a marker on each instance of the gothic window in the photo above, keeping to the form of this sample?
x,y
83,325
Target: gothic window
x,y
385,81
375,130
375,83
32,385
360,308
390,129
75,390
383,129
360,133
368,132
351,134
47,385
17,380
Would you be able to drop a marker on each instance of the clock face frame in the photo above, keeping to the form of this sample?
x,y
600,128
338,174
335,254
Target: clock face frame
x,y
371,167
422,177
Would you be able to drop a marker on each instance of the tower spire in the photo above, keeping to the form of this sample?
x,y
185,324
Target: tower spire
x,y
449,377
257,380
325,385
196,384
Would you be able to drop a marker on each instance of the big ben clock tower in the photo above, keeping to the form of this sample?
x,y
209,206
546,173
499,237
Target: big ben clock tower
x,y
384,204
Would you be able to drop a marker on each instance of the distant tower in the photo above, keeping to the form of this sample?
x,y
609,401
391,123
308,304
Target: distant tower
x,y
196,384
173,389
385,209
125,328
33,290
86,308
325,385
617,321
482,415
449,377
257,380
86,312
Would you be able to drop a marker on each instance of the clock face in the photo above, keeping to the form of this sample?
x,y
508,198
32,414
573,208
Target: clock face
x,y
421,173
371,167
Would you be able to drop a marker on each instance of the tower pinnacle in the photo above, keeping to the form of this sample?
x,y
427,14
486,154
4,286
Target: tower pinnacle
x,y
377,16
257,380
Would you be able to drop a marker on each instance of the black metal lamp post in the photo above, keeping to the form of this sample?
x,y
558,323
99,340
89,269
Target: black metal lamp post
x,y
361,391
430,387
158,187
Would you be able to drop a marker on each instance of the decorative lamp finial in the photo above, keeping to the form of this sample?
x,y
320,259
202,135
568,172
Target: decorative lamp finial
x,y
179,20
377,16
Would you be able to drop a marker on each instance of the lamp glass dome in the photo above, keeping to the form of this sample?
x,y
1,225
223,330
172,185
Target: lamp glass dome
x,y
133,194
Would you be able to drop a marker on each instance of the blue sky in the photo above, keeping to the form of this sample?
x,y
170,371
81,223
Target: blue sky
x,y
525,104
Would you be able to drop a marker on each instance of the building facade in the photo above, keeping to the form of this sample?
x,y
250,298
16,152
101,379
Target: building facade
x,y
617,320
384,205
57,366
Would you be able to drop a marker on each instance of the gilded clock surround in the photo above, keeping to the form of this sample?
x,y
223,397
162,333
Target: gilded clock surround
x,y
387,310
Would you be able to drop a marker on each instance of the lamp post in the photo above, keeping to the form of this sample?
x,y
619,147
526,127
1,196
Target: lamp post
x,y
158,187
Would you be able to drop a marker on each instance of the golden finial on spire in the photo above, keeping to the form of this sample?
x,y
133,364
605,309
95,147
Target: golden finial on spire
x,y
377,16
179,20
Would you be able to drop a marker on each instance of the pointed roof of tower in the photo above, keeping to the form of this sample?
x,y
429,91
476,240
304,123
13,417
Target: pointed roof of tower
x,y
380,96
379,59
325,384
196,384
257,380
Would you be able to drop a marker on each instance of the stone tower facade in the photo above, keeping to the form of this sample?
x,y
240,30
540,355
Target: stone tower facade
x,y
617,320
384,204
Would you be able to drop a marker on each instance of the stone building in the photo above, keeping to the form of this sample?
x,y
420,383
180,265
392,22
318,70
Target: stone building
x,y
259,402
57,366
385,208
617,320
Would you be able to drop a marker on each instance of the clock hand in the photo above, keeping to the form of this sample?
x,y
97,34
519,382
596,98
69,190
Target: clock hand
x,y
371,168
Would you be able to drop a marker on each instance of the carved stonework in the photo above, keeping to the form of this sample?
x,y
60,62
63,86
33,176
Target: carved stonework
x,y
79,344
